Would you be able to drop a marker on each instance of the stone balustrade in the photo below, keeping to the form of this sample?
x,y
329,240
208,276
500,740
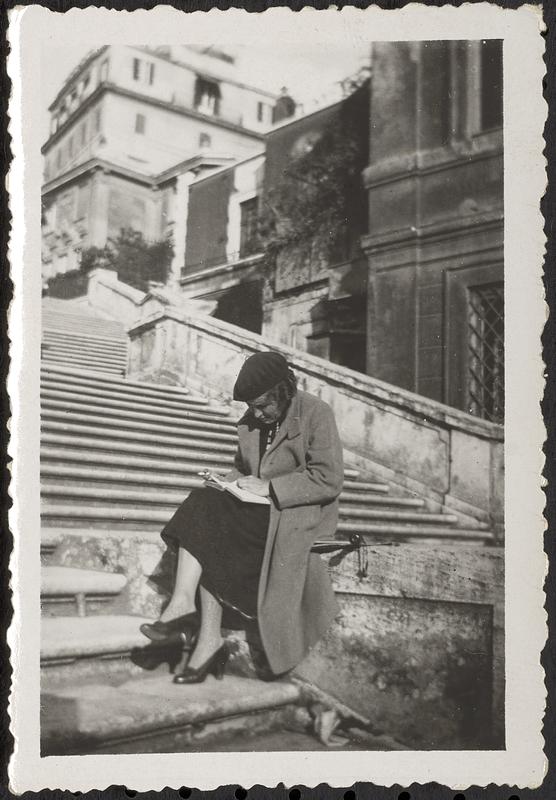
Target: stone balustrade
x,y
421,446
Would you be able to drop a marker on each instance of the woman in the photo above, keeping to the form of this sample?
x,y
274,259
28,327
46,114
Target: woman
x,y
257,558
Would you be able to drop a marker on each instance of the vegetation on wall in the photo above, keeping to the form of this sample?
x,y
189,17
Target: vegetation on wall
x,y
136,260
316,203
67,285
130,255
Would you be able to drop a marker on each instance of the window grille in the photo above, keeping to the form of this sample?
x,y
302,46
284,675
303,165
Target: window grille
x,y
486,351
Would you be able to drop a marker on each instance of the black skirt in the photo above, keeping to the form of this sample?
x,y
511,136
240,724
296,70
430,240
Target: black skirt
x,y
227,537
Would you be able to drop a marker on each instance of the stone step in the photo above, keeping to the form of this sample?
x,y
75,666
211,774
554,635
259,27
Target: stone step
x,y
138,427
72,514
178,439
364,486
123,401
421,517
66,514
169,501
115,365
68,375
155,715
377,499
68,638
83,326
78,354
153,466
68,582
111,478
108,370
83,344
74,376
79,317
142,465
92,443
63,320
75,341
87,388
197,419
108,478
386,530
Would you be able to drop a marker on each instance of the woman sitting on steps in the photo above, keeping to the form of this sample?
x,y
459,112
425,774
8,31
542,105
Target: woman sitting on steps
x,y
256,558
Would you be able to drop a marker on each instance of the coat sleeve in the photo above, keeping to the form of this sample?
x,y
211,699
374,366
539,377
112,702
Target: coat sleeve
x,y
322,479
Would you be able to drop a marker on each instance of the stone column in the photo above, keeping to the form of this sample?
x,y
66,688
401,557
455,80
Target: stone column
x,y
98,232
178,216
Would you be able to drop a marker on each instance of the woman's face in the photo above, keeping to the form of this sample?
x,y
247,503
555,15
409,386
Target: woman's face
x,y
267,409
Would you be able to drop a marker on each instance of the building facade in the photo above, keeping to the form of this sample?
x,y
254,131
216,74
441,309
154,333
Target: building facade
x,y
308,300
414,295
435,240
128,119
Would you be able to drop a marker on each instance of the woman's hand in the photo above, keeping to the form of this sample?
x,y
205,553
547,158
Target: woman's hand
x,y
253,484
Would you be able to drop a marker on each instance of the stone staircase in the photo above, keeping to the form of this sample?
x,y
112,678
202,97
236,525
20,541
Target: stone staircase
x,y
117,457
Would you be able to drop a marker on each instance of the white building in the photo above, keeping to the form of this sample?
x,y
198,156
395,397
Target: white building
x,y
128,121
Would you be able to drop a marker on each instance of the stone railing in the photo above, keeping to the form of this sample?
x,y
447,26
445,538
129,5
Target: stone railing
x,y
448,457
114,298
129,305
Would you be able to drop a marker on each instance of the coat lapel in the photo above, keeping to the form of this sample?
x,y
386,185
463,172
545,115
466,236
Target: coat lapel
x,y
289,428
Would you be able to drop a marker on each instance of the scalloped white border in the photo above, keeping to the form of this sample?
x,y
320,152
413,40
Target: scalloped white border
x,y
523,762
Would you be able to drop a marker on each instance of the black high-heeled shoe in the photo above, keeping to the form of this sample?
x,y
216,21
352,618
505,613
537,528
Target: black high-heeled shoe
x,y
216,665
182,628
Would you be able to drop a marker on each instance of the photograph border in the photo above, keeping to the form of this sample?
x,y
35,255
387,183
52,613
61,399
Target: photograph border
x,y
20,358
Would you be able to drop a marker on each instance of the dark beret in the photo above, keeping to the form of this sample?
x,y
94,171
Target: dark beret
x,y
259,373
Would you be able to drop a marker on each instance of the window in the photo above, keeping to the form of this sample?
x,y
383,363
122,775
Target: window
x,y
59,158
143,71
204,140
97,119
207,97
104,70
84,132
248,240
260,112
140,123
485,356
70,147
491,83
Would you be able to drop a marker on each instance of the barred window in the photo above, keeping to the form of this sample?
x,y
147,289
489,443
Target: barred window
x,y
486,351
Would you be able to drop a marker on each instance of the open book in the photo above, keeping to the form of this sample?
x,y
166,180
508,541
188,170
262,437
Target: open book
x,y
232,487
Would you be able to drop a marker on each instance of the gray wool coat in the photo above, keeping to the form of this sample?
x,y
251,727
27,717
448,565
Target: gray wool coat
x,y
304,464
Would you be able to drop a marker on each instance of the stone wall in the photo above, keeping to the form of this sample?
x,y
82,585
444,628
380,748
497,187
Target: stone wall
x,y
418,648
442,454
